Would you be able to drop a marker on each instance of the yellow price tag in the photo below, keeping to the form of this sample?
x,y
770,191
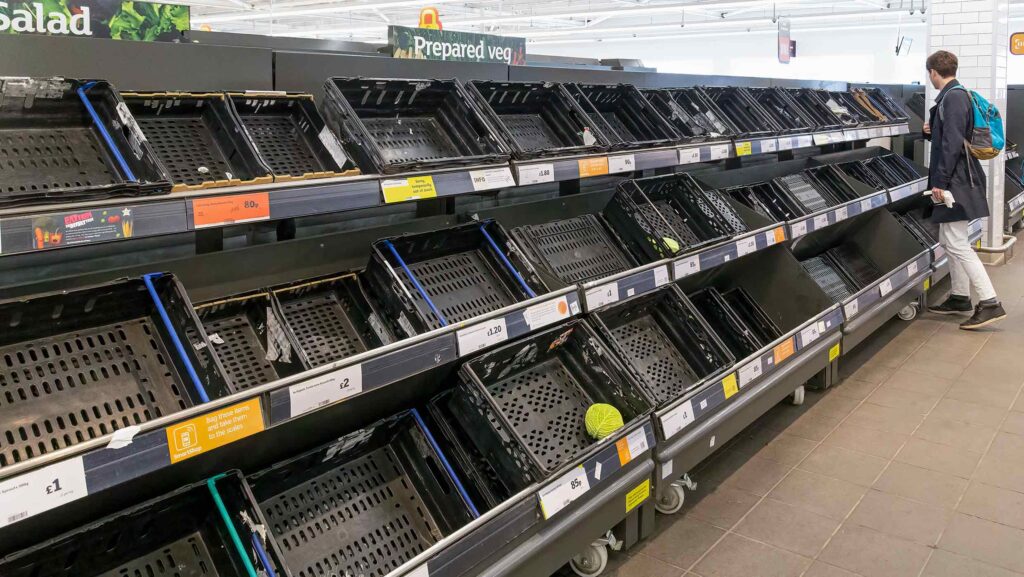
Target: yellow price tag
x,y
927,283
833,353
405,189
729,385
638,495
977,244
214,429
744,149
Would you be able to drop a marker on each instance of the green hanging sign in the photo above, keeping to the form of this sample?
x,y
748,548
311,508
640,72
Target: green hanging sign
x,y
454,46
117,19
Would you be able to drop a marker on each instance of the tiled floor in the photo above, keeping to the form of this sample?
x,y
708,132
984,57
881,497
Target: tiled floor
x,y
913,466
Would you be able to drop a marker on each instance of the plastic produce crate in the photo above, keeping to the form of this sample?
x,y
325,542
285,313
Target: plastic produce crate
x,y
831,181
857,266
835,106
329,319
665,341
738,336
189,532
860,171
756,319
65,140
538,119
447,276
363,504
290,136
249,339
784,110
918,229
830,277
810,198
391,126
880,104
892,169
816,107
695,116
82,364
854,107
571,251
624,116
749,118
525,402
770,199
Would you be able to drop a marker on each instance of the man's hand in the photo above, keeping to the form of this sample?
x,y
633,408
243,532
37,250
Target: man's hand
x,y
927,128
937,194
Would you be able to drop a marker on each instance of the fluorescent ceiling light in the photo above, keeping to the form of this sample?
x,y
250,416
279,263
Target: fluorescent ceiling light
x,y
745,31
278,14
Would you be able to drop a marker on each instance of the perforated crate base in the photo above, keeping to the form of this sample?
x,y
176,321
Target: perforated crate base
x,y
461,286
806,194
681,225
186,147
186,557
652,354
321,323
530,131
827,278
43,159
241,352
616,123
362,518
58,391
547,407
860,269
576,249
281,143
410,139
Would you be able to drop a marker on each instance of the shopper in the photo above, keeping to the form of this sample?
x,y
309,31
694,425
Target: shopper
x,y
952,168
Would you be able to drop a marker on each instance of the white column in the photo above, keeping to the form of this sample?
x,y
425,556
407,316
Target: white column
x,y
977,32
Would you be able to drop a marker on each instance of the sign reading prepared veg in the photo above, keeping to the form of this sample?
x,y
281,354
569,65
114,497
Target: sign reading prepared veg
x,y
117,19
428,44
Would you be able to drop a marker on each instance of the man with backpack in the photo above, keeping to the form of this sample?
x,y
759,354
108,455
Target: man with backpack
x,y
954,169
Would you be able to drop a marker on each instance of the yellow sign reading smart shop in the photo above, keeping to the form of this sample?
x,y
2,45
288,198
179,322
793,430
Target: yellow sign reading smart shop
x,y
215,429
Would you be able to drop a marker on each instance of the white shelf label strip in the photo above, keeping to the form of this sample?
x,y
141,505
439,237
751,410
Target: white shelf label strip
x,y
564,491
677,419
325,389
41,490
536,173
481,335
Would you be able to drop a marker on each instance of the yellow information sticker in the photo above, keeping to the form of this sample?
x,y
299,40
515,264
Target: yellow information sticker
x,y
927,283
215,429
729,385
638,495
592,166
744,149
405,189
833,353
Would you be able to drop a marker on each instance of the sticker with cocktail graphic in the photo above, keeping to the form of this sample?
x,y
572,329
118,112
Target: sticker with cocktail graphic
x,y
82,227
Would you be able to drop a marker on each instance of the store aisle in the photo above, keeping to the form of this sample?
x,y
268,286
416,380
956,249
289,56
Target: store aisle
x,y
912,466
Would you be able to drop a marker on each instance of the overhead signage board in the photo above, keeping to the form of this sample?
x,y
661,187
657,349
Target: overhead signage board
x,y
454,46
117,19
784,50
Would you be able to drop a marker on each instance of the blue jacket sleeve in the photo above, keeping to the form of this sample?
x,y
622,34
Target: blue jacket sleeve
x,y
956,119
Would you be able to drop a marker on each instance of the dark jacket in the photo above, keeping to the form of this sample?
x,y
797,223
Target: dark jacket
x,y
951,167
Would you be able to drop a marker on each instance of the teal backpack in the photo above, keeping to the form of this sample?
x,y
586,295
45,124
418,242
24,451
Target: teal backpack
x,y
986,141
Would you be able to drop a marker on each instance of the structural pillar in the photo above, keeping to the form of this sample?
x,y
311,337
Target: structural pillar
x,y
977,31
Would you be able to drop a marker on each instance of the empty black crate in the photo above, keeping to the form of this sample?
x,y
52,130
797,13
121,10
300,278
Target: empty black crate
x,y
743,111
82,364
892,169
65,140
447,276
525,403
855,108
363,504
537,119
181,534
249,339
830,180
788,115
860,171
883,104
625,117
810,197
329,319
666,343
393,126
857,266
290,136
815,104
691,112
830,277
199,141
571,251
739,337
769,199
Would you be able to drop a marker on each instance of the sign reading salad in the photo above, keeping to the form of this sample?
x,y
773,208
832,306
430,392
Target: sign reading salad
x,y
117,19
432,44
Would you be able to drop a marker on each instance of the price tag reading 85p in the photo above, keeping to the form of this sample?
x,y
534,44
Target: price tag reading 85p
x,y
562,492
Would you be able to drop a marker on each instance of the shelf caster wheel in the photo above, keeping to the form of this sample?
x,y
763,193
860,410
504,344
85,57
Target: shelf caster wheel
x,y
797,398
591,562
671,500
908,313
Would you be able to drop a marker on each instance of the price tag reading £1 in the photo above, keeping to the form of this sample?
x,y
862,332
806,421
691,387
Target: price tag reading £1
x,y
686,266
689,155
41,490
677,419
562,492
599,296
750,372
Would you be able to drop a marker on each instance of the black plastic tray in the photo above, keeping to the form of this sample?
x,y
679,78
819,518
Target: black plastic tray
x,y
391,126
664,340
537,119
830,180
892,169
64,140
739,338
784,110
755,317
769,199
803,191
363,504
884,103
857,266
827,274
290,136
625,117
695,116
749,118
451,275
82,364
923,230
198,139
858,170
816,107
329,319
836,107
525,402
571,251
855,108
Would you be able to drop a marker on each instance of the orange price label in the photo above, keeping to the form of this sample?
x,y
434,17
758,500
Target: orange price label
x,y
1017,43
783,350
216,429
233,209
593,166
780,234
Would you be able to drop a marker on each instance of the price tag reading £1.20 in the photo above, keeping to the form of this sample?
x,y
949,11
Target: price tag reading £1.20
x,y
481,335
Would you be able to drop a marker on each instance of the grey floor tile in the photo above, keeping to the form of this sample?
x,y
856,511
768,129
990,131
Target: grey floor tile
x,y
787,527
924,485
1014,423
757,476
837,406
893,397
913,381
992,543
941,458
874,554
682,541
865,440
787,449
946,564
959,434
822,569
737,556
968,412
1000,472
832,498
844,464
869,373
995,504
724,506
854,388
640,565
891,419
900,517
813,427
991,394
937,362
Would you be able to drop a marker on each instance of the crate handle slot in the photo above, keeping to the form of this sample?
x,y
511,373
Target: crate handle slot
x,y
508,265
444,461
211,483
148,279
416,283
103,131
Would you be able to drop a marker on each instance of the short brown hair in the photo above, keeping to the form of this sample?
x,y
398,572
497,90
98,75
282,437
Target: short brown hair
x,y
943,63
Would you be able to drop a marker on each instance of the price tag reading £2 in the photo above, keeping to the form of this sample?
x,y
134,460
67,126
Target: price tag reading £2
x,y
481,335
562,492
41,490
325,389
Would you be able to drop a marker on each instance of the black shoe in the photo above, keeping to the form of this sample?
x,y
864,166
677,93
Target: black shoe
x,y
985,314
954,304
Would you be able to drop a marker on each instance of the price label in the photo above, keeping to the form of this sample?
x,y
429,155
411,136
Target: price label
x,y
809,334
821,221
621,163
689,155
798,229
597,297
684,267
750,372
865,205
805,140
821,139
232,209
41,490
786,143
729,385
492,178
841,213
885,287
406,189
632,446
744,148
769,145
838,137
783,350
850,135
564,491
536,173
746,246
325,389
544,314
912,269
718,151
863,134
905,129
481,336
851,309
661,276
677,419
592,166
